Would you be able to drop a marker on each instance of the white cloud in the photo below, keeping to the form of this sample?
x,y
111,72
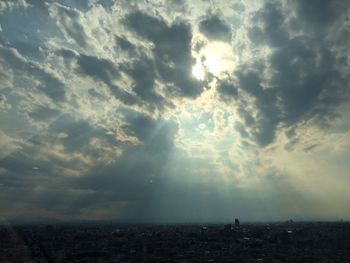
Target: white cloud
x,y
9,5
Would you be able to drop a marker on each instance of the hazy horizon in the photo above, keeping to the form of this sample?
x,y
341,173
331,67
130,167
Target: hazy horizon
x,y
136,222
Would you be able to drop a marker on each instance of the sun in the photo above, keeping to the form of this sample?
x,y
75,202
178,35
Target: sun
x,y
198,71
215,58
210,63
213,63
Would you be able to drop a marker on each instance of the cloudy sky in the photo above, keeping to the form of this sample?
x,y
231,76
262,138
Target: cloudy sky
x,y
174,110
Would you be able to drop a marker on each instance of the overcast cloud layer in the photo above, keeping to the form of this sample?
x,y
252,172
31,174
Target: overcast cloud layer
x,y
179,111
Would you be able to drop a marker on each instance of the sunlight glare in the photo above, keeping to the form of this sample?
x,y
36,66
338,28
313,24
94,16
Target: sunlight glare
x,y
198,71
216,58
212,63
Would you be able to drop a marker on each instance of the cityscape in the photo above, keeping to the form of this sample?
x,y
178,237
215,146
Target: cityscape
x,y
174,131
248,242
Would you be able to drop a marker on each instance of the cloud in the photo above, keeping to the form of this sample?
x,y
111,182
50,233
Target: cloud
x,y
227,89
124,44
320,15
100,69
144,75
48,82
42,113
299,81
79,132
128,178
85,26
9,6
69,20
172,52
215,29
4,105
51,163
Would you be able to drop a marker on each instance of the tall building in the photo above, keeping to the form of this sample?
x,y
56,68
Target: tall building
x,y
236,222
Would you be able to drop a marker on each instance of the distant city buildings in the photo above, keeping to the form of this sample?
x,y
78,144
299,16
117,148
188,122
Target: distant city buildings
x,y
236,222
273,243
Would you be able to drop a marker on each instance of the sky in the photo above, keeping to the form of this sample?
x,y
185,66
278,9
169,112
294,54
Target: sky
x,y
174,110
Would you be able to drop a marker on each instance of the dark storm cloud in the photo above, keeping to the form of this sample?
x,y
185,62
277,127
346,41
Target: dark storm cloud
x,y
172,52
215,29
306,82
